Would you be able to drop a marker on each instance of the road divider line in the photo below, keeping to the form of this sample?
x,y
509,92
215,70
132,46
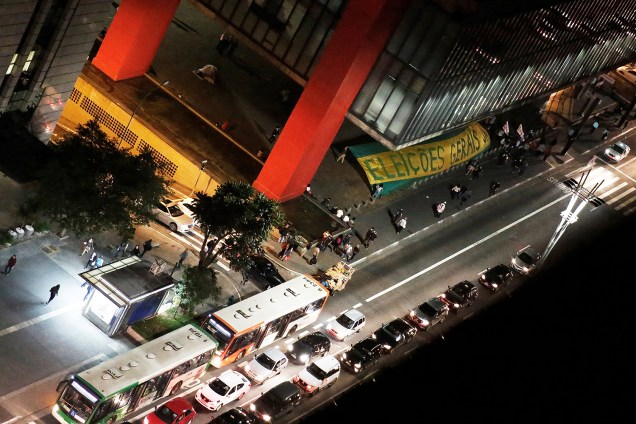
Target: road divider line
x,y
465,249
40,319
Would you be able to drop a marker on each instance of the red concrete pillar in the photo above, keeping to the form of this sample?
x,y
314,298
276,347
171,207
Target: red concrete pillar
x,y
358,40
134,37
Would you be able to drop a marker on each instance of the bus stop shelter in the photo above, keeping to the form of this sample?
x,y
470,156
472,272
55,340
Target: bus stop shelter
x,y
125,292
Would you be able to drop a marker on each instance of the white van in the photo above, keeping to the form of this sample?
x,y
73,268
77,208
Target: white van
x,y
319,375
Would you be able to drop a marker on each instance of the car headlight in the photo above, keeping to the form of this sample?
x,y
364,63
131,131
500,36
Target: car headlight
x,y
252,407
146,420
456,305
357,365
425,322
412,313
247,367
386,346
494,285
344,356
291,348
303,357
483,277
266,418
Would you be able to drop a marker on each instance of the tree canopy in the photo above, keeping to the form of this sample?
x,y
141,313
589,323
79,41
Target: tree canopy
x,y
91,186
235,222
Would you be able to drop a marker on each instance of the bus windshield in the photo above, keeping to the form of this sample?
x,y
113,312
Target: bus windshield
x,y
219,331
78,401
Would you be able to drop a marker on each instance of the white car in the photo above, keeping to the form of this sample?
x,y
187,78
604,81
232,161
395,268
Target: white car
x,y
525,260
265,365
617,151
346,324
169,213
319,375
229,386
187,205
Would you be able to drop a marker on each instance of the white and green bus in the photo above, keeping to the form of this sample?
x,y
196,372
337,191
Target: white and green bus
x,y
134,379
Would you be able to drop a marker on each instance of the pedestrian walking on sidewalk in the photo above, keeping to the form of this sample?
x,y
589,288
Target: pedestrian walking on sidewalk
x,y
371,235
10,264
182,257
89,289
343,155
147,247
135,251
314,256
99,262
377,190
283,231
605,134
274,135
438,209
88,246
401,225
225,39
494,186
464,195
356,250
54,292
90,264
454,191
121,249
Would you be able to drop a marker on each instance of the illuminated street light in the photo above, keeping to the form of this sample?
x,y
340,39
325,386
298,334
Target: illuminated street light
x,y
166,82
201,168
570,214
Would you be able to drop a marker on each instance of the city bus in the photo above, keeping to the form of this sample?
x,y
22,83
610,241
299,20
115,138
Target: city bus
x,y
118,386
264,318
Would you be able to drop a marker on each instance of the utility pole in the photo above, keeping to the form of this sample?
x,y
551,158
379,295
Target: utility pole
x,y
570,214
119,138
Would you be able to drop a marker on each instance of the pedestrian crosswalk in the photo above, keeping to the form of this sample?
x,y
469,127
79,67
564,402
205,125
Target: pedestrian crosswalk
x,y
615,189
194,240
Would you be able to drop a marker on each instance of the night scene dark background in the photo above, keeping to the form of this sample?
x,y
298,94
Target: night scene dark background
x,y
559,349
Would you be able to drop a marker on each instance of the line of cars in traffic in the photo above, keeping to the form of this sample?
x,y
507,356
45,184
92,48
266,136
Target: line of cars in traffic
x,y
320,369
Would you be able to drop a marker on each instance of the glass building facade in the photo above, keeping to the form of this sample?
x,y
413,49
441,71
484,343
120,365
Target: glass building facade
x,y
442,70
292,32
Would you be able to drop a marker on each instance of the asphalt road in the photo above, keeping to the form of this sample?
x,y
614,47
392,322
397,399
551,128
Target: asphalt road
x,y
525,352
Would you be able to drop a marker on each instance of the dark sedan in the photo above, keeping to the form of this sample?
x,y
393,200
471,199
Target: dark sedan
x,y
308,347
496,277
460,295
394,334
264,273
362,354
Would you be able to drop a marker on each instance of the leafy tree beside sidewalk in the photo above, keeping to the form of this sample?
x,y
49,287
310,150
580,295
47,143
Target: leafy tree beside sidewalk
x,y
235,221
91,186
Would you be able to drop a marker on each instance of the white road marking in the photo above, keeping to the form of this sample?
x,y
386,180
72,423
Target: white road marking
x,y
467,248
40,319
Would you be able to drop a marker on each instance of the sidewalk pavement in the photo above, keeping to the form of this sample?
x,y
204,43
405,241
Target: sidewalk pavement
x,y
247,96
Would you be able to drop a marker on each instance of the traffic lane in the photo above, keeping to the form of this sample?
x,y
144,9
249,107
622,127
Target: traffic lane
x,y
290,372
407,300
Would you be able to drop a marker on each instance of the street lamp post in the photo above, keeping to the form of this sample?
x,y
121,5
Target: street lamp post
x,y
163,84
570,214
201,168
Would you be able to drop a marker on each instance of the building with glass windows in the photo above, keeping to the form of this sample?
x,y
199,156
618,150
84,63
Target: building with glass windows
x,y
406,72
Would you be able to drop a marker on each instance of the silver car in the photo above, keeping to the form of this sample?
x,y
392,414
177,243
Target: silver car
x,y
616,152
266,365
525,260
170,214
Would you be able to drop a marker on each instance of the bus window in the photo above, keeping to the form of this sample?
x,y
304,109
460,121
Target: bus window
x,y
242,341
316,306
103,410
